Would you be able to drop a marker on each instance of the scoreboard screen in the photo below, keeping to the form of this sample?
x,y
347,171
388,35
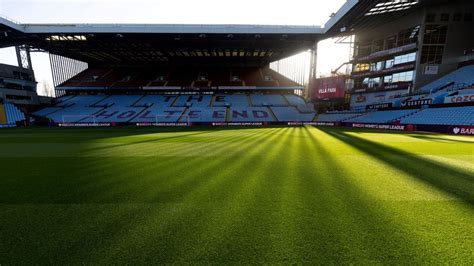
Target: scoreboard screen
x,y
329,88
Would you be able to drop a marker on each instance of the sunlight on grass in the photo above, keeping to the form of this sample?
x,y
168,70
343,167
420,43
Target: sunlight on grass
x,y
231,195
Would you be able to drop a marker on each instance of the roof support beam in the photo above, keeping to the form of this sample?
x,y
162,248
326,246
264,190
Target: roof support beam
x,y
23,56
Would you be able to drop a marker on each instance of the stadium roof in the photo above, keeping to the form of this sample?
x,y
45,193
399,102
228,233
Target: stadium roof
x,y
198,44
163,43
359,15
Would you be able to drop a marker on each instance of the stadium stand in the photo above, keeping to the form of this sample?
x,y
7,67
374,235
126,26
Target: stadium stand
x,y
83,100
435,94
159,79
268,100
194,94
338,116
307,108
73,114
73,109
179,108
299,103
466,91
250,114
63,98
118,101
10,114
291,114
235,105
193,100
231,100
161,114
461,115
115,114
295,100
442,116
214,114
381,116
463,76
47,111
156,100
101,78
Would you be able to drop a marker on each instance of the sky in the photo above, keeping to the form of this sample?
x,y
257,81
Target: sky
x,y
270,12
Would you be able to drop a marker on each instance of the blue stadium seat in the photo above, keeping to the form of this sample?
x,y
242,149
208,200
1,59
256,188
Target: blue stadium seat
x,y
210,114
466,91
193,100
291,114
338,117
13,114
119,100
156,101
307,108
160,114
63,99
463,75
442,116
268,100
172,108
250,114
295,100
117,114
222,100
74,114
83,100
48,110
381,116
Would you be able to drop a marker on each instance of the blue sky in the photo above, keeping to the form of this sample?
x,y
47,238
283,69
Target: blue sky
x,y
295,12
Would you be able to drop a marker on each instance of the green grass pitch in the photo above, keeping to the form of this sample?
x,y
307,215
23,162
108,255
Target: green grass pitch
x,y
235,195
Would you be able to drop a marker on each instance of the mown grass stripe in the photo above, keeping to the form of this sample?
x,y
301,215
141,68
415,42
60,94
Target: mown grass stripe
x,y
254,195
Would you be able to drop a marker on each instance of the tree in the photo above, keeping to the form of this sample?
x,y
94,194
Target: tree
x,y
48,89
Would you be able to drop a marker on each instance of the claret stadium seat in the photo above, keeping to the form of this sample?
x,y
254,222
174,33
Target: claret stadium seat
x,y
3,115
147,95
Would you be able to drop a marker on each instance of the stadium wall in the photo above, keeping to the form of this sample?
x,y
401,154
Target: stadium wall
x,y
459,38
388,29
62,69
458,21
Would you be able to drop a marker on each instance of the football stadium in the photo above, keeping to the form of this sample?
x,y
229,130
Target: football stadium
x,y
221,143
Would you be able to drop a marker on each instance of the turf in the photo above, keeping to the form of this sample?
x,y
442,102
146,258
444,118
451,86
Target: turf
x,y
241,195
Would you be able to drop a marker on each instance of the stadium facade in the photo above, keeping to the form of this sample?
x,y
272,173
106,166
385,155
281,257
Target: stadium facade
x,y
403,45
407,55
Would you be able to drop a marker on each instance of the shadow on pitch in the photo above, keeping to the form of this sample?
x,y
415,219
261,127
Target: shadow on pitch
x,y
94,134
148,140
448,179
